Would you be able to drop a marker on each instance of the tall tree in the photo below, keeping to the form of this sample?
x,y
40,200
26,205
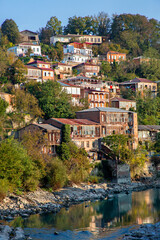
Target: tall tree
x,y
10,29
103,24
17,72
54,26
132,31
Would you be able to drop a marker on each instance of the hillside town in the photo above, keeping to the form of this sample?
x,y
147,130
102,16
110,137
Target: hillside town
x,y
86,83
79,107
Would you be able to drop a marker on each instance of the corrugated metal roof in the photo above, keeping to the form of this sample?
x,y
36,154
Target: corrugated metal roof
x,y
75,121
47,127
104,109
149,127
137,80
122,100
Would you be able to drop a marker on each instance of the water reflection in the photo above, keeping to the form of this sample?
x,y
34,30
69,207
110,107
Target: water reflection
x,y
123,210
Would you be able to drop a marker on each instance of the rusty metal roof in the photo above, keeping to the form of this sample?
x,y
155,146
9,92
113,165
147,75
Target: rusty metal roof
x,y
75,121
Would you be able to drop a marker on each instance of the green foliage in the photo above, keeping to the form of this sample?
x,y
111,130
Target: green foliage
x,y
105,68
66,133
16,166
53,101
75,160
134,32
157,143
4,188
10,29
17,72
24,104
118,143
148,110
56,174
150,70
54,26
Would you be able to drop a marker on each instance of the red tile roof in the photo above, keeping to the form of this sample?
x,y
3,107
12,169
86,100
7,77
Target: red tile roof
x,y
75,121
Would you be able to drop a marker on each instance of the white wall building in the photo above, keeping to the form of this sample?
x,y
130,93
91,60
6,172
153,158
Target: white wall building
x,y
22,48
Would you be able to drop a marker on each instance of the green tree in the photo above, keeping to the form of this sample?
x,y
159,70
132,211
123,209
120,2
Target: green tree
x,y
59,50
44,35
17,167
17,72
148,109
10,29
24,104
53,101
54,26
134,32
118,143
103,24
105,68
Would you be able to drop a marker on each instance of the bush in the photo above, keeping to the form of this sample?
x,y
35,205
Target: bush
x,y
3,188
56,175
17,167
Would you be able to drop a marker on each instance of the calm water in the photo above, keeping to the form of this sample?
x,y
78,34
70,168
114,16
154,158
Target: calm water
x,y
107,219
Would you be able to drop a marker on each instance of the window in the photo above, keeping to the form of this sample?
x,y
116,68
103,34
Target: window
x,y
37,49
87,144
82,144
99,39
102,118
50,137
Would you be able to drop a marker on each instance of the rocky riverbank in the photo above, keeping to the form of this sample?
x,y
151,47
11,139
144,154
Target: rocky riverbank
x,y
42,201
144,232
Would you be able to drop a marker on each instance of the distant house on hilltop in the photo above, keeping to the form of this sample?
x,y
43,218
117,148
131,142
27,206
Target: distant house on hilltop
x,y
79,38
29,36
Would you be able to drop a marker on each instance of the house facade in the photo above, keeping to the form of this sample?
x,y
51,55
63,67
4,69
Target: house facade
x,y
96,98
113,56
95,84
140,85
62,70
87,69
47,73
148,133
80,38
113,120
122,103
22,48
53,136
84,133
77,52
29,36
34,73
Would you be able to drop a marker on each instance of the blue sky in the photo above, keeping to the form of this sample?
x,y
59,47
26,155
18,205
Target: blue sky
x,y
34,14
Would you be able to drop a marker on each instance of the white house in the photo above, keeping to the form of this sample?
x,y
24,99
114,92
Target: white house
x,y
22,48
77,52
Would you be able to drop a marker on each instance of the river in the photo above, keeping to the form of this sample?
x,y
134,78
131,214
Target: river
x,y
107,219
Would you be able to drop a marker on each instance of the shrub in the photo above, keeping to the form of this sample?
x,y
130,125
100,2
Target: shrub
x,y
17,167
3,188
56,174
